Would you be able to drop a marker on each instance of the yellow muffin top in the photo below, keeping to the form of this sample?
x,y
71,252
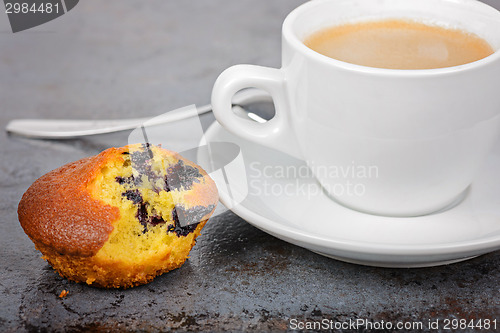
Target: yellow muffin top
x,y
124,205
158,195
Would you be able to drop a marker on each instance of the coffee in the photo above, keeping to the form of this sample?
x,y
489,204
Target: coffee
x,y
399,44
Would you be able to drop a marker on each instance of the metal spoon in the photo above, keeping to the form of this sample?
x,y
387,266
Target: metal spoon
x,y
65,129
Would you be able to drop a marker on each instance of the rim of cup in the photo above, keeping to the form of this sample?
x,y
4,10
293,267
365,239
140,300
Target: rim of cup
x,y
298,44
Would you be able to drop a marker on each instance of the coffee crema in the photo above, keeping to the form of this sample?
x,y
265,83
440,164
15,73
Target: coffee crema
x,y
399,44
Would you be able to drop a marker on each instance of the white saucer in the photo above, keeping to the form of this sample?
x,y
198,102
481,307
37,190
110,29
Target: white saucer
x,y
466,230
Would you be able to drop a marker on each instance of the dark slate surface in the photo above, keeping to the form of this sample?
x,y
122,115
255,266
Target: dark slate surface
x,y
114,59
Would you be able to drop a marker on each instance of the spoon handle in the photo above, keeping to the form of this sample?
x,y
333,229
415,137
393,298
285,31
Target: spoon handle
x,y
65,129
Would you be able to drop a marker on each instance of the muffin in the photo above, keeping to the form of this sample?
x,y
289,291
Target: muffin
x,y
120,218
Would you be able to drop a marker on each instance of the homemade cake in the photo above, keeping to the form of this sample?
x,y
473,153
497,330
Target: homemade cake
x,y
120,218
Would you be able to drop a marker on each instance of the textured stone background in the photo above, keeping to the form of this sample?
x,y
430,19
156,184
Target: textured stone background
x,y
116,59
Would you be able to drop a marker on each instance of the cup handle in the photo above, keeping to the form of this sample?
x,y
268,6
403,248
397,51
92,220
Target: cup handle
x,y
276,133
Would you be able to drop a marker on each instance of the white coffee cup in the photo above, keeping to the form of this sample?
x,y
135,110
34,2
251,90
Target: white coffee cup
x,y
422,135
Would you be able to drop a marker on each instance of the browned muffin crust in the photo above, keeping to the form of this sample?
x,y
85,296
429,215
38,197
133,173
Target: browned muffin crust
x,y
45,207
